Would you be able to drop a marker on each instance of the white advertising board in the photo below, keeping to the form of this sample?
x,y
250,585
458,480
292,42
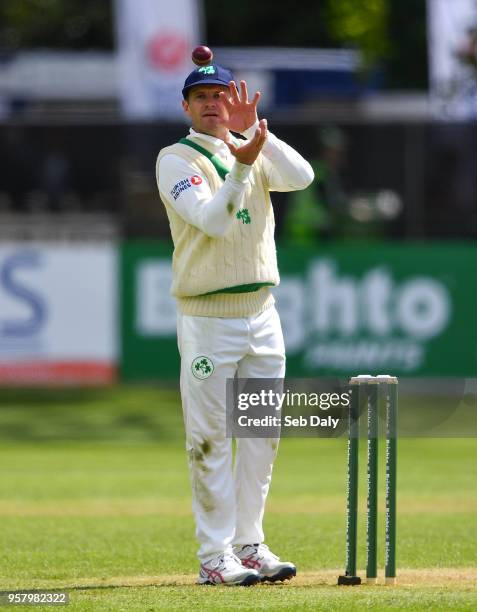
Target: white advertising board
x,y
452,42
58,314
155,42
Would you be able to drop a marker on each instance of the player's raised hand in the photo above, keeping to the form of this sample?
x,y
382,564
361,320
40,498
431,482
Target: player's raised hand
x,y
242,113
248,152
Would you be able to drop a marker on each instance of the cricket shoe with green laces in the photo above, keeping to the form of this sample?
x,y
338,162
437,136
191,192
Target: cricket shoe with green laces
x,y
259,557
228,570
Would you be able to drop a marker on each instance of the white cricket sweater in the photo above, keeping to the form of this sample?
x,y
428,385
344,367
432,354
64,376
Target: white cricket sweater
x,y
223,230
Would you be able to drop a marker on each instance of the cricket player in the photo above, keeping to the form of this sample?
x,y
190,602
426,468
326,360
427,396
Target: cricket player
x,y
216,190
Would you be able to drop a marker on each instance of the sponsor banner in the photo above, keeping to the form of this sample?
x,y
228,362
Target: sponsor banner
x,y
155,42
404,309
148,313
452,41
58,314
401,309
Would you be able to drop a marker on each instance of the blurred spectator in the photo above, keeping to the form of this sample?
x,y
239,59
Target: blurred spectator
x,y
467,52
55,176
17,158
320,211
451,184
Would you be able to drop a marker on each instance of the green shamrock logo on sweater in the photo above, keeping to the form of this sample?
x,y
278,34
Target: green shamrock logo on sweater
x,y
244,215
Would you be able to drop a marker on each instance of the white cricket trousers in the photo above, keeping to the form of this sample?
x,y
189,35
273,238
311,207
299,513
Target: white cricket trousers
x,y
228,502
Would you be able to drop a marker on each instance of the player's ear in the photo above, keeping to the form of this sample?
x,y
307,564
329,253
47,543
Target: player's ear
x,y
185,106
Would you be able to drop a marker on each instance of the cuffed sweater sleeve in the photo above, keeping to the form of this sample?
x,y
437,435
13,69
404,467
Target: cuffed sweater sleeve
x,y
189,193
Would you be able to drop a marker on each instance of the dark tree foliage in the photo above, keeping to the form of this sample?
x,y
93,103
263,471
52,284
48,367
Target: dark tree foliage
x,y
407,63
263,23
66,24
400,45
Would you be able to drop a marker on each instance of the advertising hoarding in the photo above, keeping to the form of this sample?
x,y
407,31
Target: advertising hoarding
x,y
404,309
58,313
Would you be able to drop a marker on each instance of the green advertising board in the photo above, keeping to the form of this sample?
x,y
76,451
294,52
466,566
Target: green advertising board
x,y
148,313
401,308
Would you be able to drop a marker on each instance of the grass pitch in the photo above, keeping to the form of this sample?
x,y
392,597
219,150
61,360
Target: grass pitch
x,y
95,499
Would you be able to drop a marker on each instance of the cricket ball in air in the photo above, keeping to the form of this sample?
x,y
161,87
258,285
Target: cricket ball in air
x,y
202,56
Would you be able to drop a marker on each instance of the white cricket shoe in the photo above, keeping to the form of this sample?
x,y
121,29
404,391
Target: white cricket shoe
x,y
227,569
268,565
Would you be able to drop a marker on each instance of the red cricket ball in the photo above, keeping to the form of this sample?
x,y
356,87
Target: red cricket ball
x,y
202,56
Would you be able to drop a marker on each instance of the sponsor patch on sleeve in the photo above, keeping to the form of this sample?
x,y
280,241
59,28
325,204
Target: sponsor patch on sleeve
x,y
184,184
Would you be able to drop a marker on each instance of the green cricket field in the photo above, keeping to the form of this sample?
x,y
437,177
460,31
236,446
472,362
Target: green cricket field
x,y
95,500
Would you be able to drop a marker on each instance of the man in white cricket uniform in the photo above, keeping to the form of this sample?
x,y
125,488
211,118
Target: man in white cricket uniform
x,y
216,192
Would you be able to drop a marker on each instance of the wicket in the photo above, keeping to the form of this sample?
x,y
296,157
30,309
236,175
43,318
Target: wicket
x,y
367,387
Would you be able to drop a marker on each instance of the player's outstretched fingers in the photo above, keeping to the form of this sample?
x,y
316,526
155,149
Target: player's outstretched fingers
x,y
259,139
234,93
264,124
261,133
243,91
248,152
